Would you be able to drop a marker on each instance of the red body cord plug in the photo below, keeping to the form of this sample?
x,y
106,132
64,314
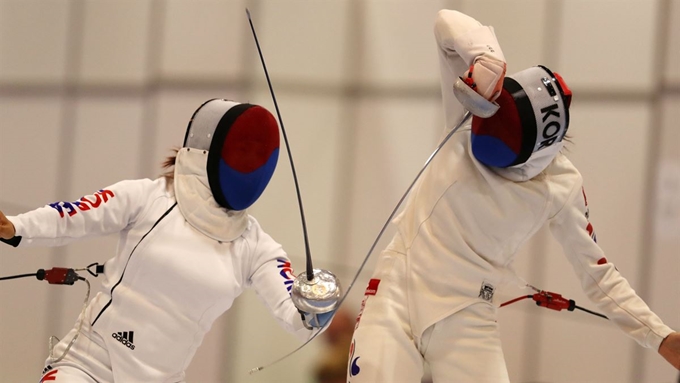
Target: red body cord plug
x,y
58,276
468,80
553,301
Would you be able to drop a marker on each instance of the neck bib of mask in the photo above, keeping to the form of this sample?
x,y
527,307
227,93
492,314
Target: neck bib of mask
x,y
196,202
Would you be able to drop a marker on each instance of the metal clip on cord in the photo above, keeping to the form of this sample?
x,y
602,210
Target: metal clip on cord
x,y
98,269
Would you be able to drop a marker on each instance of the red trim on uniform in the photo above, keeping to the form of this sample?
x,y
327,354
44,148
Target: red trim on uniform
x,y
468,80
49,376
602,261
583,190
372,288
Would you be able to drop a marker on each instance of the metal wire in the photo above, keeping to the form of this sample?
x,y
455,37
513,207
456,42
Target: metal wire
x,y
18,276
308,252
591,312
54,340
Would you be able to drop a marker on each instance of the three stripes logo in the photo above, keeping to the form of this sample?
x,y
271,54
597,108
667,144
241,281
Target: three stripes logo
x,y
125,337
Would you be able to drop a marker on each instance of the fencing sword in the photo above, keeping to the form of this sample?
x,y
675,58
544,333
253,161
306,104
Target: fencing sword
x,y
314,291
363,264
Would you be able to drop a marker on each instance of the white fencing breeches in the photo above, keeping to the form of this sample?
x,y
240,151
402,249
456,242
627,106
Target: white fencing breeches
x,y
464,347
86,362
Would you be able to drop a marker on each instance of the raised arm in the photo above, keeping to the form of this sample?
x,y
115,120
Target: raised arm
x,y
469,50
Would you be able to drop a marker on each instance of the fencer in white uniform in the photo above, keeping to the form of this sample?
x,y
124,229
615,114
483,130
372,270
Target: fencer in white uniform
x,y
187,248
492,186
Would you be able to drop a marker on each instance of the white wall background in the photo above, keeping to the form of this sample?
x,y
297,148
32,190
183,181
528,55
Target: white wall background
x,y
95,91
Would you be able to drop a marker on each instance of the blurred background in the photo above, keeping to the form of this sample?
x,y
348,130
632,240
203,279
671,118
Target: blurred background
x,y
96,91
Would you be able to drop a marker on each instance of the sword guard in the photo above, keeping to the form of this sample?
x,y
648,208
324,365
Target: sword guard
x,y
317,295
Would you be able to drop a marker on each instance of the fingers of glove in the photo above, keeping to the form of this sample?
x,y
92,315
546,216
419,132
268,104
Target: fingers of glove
x,y
488,75
321,320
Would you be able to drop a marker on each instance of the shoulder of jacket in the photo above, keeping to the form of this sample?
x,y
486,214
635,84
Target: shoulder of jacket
x,y
562,169
143,184
153,195
565,182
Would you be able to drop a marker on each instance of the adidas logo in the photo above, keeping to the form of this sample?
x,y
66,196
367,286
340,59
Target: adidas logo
x,y
125,338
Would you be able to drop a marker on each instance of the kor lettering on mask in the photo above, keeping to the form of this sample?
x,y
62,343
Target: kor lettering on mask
x,y
552,129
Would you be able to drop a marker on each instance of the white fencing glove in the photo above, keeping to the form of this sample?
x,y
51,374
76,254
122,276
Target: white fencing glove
x,y
478,46
318,320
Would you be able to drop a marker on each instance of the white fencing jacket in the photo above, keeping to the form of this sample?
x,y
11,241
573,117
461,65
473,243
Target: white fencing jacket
x,y
168,282
463,224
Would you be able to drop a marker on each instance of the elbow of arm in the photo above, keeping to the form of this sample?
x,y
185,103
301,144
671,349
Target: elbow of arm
x,y
450,24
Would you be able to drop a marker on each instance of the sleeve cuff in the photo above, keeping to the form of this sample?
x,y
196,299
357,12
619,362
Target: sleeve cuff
x,y
654,338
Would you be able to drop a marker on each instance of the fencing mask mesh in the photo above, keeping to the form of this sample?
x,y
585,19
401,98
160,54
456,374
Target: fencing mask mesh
x,y
242,141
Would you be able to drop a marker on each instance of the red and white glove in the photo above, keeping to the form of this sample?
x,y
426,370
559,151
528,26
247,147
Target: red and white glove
x,y
486,77
478,46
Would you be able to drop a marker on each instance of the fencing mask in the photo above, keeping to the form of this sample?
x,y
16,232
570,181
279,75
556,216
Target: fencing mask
x,y
526,133
242,141
228,157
